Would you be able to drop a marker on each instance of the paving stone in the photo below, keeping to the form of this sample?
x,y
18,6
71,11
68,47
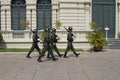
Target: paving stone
x,y
88,66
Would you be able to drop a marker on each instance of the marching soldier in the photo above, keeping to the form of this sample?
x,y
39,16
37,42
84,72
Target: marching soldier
x,y
69,43
34,43
54,39
47,46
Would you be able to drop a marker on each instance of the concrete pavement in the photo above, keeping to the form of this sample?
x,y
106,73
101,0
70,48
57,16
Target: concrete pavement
x,y
103,65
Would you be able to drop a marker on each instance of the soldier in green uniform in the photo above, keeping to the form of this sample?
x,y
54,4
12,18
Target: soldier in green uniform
x,y
69,43
34,43
54,39
47,46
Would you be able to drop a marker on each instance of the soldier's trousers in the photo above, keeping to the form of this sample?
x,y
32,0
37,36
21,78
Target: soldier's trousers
x,y
49,49
69,47
34,46
56,49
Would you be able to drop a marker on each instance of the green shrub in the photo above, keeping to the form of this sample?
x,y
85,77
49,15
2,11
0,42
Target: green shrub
x,y
96,38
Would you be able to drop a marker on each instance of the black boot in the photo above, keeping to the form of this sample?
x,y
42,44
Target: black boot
x,y
77,54
54,59
28,56
39,60
48,57
60,55
65,55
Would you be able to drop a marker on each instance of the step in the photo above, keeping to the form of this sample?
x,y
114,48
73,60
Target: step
x,y
113,44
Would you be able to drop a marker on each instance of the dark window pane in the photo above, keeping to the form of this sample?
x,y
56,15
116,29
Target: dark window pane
x,y
18,12
44,13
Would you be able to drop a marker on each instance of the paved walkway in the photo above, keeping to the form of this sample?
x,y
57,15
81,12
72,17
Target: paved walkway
x,y
88,66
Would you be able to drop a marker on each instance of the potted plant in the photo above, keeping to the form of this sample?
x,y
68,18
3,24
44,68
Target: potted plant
x,y
58,24
96,39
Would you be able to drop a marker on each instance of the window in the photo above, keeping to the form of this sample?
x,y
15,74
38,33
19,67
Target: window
x,y
18,12
44,14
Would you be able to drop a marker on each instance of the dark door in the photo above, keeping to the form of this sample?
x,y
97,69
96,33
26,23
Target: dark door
x,y
103,14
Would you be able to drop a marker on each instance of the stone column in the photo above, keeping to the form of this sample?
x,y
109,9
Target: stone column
x,y
5,16
81,17
87,16
31,13
8,19
30,17
117,19
3,19
54,12
34,18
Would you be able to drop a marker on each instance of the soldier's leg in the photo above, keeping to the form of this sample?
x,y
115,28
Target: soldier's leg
x,y
52,55
38,49
43,52
45,47
50,50
67,49
48,55
73,50
31,49
56,49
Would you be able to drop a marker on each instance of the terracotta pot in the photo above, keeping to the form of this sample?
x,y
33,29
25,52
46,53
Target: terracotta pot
x,y
97,49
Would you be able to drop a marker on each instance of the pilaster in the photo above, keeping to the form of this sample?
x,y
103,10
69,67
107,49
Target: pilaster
x,y
5,15
55,12
87,16
31,13
117,18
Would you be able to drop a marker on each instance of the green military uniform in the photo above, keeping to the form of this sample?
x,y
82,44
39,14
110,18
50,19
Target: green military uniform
x,y
54,39
69,43
34,43
47,46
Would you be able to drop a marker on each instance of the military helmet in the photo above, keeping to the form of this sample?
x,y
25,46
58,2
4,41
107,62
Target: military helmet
x,y
47,30
53,30
34,31
70,28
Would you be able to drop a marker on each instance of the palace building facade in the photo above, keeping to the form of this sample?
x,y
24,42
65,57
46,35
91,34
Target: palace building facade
x,y
42,14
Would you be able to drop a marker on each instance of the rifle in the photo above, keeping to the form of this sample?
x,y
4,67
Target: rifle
x,y
66,28
68,31
74,36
